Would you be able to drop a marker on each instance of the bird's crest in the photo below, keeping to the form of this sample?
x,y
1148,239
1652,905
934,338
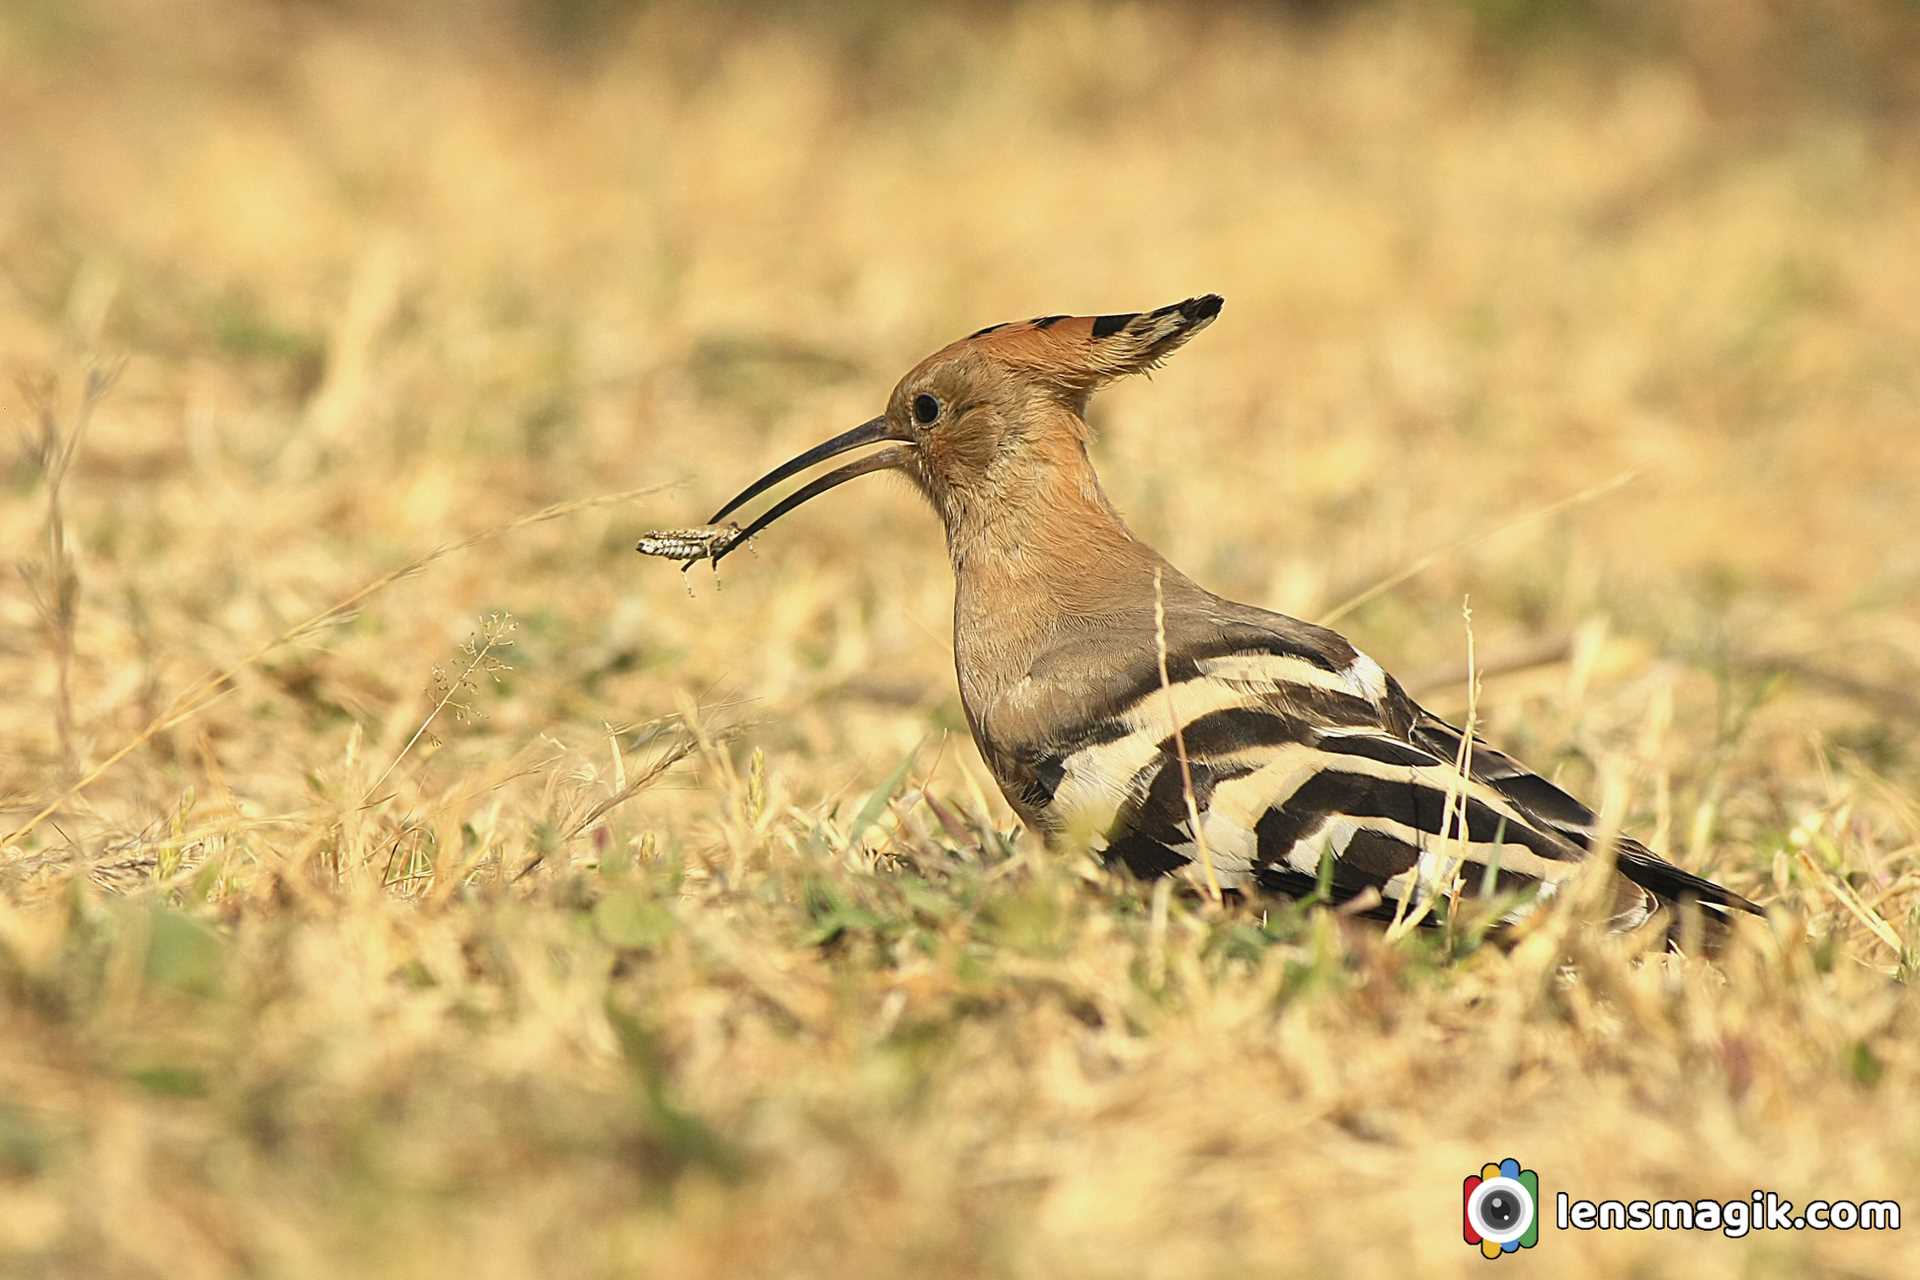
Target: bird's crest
x,y
1082,352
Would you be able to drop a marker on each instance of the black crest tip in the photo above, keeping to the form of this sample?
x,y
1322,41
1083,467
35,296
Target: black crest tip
x,y
1205,307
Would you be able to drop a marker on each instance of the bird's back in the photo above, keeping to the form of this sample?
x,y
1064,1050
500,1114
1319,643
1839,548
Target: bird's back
x,y
1309,767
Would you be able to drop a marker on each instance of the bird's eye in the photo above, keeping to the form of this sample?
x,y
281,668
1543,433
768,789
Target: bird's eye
x,y
925,409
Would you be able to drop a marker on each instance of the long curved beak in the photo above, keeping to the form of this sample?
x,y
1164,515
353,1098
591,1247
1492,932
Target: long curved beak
x,y
873,431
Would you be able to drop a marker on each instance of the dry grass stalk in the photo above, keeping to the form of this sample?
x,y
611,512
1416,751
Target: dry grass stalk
x,y
1212,880
481,654
197,697
1420,564
1453,815
55,582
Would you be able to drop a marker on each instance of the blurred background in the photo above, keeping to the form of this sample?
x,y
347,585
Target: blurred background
x,y
1599,316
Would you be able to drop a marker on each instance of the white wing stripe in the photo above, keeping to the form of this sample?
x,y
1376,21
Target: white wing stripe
x,y
1096,779
1273,784
1361,678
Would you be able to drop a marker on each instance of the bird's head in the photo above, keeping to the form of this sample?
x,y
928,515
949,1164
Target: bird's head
x,y
985,423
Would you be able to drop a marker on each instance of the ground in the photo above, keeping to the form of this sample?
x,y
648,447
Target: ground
x,y
405,878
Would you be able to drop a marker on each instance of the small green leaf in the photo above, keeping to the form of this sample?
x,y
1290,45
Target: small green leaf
x,y
877,802
23,1146
206,879
170,1080
683,1139
833,914
182,953
631,920
1865,1064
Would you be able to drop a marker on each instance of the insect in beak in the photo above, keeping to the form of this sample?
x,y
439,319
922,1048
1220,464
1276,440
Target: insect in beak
x,y
873,431
689,546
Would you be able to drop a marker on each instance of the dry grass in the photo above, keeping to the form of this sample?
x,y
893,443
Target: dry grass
x,y
697,947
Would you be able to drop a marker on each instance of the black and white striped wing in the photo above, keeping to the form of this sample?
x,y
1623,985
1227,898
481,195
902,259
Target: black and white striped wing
x,y
1555,810
1307,772
1287,805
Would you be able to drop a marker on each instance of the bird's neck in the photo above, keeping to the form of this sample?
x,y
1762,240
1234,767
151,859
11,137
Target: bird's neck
x,y
1045,562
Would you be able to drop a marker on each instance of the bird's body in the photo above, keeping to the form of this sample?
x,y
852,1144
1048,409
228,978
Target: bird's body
x,y
1115,700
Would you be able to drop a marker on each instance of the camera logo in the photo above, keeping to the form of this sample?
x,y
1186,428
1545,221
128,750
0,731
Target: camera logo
x,y
1500,1208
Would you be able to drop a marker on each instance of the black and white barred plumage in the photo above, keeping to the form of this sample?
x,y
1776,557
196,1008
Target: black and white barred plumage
x,y
1309,767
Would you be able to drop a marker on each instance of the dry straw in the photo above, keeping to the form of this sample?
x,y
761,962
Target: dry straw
x,y
203,693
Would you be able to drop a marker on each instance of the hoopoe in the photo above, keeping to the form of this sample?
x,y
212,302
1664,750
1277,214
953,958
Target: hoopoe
x,y
1173,731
